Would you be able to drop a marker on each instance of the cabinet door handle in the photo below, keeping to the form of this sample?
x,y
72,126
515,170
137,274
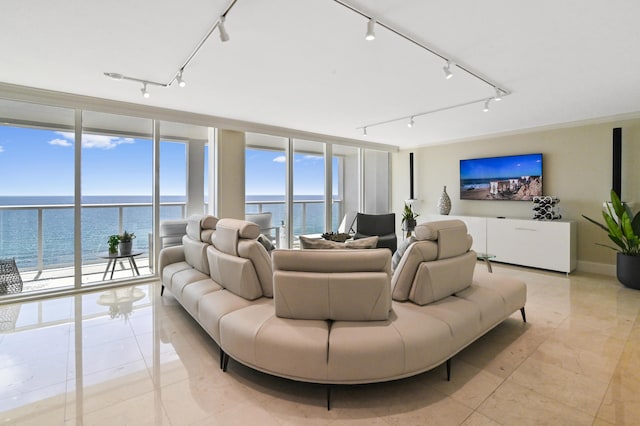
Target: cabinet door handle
x,y
526,229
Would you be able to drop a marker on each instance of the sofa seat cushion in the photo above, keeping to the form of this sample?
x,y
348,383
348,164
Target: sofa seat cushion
x,y
170,270
461,316
296,349
365,351
193,292
489,302
427,340
216,304
441,278
183,278
512,290
410,341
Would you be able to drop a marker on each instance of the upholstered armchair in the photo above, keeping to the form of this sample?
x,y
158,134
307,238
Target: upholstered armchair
x,y
382,225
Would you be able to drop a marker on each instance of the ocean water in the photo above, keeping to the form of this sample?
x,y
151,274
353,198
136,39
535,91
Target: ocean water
x,y
19,227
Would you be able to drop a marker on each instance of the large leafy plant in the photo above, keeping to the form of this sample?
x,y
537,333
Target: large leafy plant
x,y
622,227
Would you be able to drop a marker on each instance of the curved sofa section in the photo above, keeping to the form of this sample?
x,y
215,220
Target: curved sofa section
x,y
336,316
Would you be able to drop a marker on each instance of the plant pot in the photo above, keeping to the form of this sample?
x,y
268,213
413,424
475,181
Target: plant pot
x,y
628,270
125,248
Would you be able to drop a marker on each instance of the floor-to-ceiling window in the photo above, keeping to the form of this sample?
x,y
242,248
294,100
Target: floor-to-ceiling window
x,y
308,188
266,183
117,187
36,193
345,183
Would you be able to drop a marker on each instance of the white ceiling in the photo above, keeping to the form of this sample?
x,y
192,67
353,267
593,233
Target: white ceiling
x,y
304,64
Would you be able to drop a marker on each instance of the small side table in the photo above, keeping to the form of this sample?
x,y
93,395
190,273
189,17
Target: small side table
x,y
114,257
486,257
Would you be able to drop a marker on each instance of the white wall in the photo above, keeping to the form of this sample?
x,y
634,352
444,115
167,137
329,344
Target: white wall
x,y
576,168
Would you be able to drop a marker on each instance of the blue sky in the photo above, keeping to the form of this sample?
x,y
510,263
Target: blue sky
x,y
266,173
36,162
40,162
502,167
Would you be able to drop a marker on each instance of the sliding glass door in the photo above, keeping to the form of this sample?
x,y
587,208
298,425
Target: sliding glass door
x,y
117,176
36,196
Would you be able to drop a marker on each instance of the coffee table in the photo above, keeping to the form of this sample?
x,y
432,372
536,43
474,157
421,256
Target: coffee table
x,y
114,257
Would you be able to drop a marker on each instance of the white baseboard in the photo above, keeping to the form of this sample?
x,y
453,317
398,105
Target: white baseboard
x,y
597,268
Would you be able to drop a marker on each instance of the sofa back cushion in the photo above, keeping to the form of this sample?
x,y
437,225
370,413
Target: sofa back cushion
x,y
451,236
441,278
345,285
238,262
234,273
199,230
437,265
405,273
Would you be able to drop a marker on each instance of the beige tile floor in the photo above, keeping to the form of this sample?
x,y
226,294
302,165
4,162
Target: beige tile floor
x,y
77,360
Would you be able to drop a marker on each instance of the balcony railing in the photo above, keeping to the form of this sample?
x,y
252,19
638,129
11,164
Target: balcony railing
x,y
53,231
308,215
25,256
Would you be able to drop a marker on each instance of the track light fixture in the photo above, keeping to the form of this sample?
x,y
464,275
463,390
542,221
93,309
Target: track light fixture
x,y
486,105
145,92
371,35
364,131
447,71
411,122
180,80
498,96
224,36
177,77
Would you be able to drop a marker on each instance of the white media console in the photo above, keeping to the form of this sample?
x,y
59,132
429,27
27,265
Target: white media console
x,y
548,245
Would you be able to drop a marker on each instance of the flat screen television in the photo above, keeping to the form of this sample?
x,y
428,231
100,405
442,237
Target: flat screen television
x,y
512,178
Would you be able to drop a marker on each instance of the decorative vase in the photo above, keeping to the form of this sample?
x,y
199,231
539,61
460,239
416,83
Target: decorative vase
x,y
444,202
125,247
628,270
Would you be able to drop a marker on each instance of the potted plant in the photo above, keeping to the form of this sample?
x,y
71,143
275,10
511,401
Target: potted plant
x,y
113,242
126,242
623,229
408,219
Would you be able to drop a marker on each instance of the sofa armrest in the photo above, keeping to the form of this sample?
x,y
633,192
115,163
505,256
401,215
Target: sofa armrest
x,y
169,255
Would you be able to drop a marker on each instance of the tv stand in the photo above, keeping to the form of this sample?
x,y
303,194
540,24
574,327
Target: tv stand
x,y
540,244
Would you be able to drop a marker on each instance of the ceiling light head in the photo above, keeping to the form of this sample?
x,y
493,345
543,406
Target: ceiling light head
x,y
224,36
364,131
486,105
447,71
498,96
114,75
180,81
145,92
371,35
410,123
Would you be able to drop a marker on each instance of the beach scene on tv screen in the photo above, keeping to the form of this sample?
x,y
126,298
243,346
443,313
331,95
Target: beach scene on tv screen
x,y
511,178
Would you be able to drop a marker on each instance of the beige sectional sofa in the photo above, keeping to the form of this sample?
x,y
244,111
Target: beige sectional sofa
x,y
337,316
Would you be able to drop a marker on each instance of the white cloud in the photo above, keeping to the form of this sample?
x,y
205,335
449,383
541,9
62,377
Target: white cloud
x,y
280,159
60,142
1,148
313,157
96,141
